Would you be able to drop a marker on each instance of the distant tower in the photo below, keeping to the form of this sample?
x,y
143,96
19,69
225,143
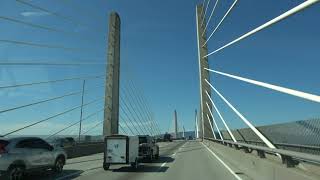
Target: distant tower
x,y
196,131
175,124
183,134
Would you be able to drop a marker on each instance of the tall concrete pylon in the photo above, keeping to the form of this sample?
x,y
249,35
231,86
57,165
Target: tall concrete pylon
x,y
175,124
203,74
111,111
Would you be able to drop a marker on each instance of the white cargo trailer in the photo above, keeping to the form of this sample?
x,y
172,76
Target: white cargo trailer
x,y
121,149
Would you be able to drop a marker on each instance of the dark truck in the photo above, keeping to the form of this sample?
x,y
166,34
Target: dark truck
x,y
148,149
167,138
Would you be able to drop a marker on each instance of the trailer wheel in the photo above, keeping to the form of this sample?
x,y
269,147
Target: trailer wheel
x,y
106,166
151,156
135,164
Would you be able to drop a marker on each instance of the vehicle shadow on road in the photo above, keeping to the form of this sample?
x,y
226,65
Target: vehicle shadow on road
x,y
142,169
49,175
78,162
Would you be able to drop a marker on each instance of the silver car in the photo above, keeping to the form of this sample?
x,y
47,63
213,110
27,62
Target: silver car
x,y
26,154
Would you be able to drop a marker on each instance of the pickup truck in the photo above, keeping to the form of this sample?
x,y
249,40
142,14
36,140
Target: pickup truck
x,y
148,149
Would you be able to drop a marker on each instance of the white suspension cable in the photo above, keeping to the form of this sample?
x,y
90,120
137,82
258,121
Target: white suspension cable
x,y
213,9
214,135
292,92
222,119
292,11
245,120
205,13
216,28
203,2
214,122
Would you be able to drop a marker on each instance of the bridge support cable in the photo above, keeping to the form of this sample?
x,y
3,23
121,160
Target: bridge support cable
x,y
48,12
52,117
134,124
214,122
93,127
213,133
202,10
46,100
123,130
134,110
32,44
52,81
67,64
143,106
37,26
213,9
205,12
134,97
40,102
292,11
245,120
132,117
127,126
308,96
222,119
142,101
75,123
218,25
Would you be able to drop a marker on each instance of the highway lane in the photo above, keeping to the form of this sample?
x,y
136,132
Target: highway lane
x,y
181,161
185,160
88,165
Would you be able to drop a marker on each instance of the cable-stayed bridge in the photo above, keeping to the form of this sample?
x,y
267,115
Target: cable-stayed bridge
x,y
106,98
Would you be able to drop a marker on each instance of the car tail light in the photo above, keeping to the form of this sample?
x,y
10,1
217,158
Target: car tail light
x,y
2,149
3,145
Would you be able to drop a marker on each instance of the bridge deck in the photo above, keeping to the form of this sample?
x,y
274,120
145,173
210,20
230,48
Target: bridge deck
x,y
179,160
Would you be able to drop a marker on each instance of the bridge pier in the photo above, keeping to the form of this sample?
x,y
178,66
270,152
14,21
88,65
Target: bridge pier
x,y
203,74
111,111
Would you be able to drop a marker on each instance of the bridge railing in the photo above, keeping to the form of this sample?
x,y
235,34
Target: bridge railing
x,y
290,158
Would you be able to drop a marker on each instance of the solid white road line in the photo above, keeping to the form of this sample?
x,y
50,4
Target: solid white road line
x,y
223,163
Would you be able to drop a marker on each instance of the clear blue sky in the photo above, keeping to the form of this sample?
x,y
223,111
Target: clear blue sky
x,y
158,45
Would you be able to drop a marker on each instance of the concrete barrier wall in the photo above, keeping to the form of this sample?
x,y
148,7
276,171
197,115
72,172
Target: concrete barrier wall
x,y
84,149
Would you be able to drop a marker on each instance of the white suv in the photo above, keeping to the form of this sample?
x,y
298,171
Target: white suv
x,y
26,154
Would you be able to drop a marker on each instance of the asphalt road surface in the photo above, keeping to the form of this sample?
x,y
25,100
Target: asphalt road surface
x,y
180,160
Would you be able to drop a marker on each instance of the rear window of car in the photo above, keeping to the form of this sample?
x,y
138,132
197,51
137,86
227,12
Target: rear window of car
x,y
143,140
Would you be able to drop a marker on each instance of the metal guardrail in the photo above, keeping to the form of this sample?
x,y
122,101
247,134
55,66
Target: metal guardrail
x,y
298,147
290,158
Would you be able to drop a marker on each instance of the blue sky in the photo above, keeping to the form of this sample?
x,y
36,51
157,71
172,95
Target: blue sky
x,y
159,47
